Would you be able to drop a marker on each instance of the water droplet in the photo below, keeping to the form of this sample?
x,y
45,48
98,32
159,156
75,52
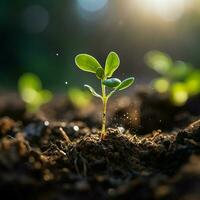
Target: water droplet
x,y
57,54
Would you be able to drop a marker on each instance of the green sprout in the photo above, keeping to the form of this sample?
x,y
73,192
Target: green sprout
x,y
31,92
89,64
177,78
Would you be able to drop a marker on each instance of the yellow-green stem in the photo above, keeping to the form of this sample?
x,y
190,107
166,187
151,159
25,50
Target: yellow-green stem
x,y
103,131
104,99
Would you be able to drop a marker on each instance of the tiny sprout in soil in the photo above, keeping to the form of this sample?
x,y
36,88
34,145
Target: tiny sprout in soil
x,y
32,93
89,64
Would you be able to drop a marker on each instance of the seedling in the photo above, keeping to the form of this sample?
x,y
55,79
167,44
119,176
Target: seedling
x,y
177,78
89,64
30,89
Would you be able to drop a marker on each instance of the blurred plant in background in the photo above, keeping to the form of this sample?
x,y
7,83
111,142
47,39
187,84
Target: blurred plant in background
x,y
132,28
79,98
32,93
180,79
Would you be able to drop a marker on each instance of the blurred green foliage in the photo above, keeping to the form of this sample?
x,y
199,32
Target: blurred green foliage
x,y
32,93
79,98
42,37
180,79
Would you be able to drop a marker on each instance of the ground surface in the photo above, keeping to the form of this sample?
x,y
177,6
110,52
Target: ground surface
x,y
152,151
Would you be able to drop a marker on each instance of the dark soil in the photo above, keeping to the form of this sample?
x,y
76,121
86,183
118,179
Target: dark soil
x,y
152,150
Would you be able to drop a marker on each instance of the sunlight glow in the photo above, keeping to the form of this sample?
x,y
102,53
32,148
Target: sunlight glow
x,y
168,10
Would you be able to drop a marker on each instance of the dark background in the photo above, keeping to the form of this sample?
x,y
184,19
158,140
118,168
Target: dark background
x,y
44,36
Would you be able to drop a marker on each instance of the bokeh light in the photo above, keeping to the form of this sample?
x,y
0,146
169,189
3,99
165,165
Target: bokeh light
x,y
161,85
92,5
35,19
179,95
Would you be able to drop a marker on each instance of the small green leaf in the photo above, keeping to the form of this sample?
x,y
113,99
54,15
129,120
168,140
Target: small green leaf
x,y
92,91
112,82
87,63
100,73
112,63
126,83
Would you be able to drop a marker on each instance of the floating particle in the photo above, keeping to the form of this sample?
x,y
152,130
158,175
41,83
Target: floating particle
x,y
46,123
76,128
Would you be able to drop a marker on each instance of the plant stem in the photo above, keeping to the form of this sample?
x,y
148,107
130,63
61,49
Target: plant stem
x,y
104,99
103,131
